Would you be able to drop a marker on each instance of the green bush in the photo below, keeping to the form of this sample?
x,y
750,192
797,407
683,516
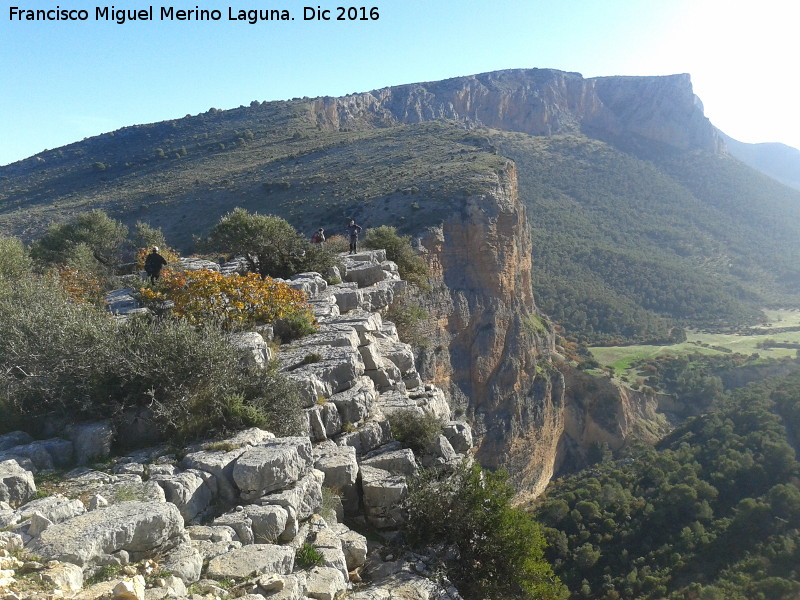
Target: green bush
x,y
415,430
93,238
270,244
307,556
62,358
493,550
15,262
409,318
398,248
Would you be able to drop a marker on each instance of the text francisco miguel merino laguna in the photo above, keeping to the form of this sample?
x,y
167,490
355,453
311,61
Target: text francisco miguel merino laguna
x,y
170,13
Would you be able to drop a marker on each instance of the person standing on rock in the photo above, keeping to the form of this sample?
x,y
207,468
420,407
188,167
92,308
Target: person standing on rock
x,y
353,230
153,264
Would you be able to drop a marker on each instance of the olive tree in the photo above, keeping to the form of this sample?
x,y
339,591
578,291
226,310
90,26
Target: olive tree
x,y
270,244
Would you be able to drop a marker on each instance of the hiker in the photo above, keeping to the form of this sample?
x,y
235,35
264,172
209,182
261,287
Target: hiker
x,y
318,237
353,230
153,264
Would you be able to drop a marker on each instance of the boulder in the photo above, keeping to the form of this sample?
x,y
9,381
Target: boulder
x,y
267,522
304,497
311,283
90,441
45,455
213,533
220,464
263,469
256,352
55,508
325,583
240,522
184,561
382,495
130,588
395,460
372,434
321,371
63,576
192,491
356,404
191,263
16,483
354,546
459,434
14,438
137,528
255,558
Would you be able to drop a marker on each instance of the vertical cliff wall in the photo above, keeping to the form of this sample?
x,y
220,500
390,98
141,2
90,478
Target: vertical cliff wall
x,y
489,348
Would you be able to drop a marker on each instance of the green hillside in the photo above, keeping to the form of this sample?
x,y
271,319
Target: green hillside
x,y
627,247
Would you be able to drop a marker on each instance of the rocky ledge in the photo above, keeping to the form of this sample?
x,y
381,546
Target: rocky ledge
x,y
238,517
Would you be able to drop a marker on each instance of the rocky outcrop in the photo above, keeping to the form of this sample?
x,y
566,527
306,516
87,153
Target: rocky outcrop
x,y
261,498
543,102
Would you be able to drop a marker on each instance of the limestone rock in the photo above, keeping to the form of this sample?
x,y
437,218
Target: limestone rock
x,y
324,583
130,588
137,528
16,484
304,497
268,522
255,558
192,491
184,561
257,353
90,440
382,494
263,469
63,576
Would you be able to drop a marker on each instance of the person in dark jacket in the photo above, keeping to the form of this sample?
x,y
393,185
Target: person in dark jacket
x,y
353,230
153,264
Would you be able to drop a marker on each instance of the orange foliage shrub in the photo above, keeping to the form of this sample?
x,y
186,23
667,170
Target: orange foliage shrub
x,y
80,286
229,299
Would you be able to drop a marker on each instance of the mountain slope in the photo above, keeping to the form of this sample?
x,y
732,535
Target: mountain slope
x,y
640,220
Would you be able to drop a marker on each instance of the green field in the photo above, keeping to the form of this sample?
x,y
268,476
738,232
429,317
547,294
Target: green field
x,y
621,357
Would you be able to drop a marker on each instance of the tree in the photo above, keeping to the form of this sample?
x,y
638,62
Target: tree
x,y
495,550
93,232
270,244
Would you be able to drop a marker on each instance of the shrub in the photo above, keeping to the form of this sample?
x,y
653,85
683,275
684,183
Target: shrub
x,y
92,234
270,244
15,262
307,556
337,244
409,318
58,357
415,430
398,248
494,550
235,300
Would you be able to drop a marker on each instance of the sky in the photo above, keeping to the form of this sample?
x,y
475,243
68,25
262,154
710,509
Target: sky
x,y
62,81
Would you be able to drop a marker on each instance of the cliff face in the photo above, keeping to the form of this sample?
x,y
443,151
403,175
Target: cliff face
x,y
494,354
540,102
488,346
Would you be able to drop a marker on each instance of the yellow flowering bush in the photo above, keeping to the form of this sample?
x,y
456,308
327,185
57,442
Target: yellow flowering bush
x,y
80,286
231,300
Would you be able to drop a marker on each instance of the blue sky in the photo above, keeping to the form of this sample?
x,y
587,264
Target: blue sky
x,y
63,81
